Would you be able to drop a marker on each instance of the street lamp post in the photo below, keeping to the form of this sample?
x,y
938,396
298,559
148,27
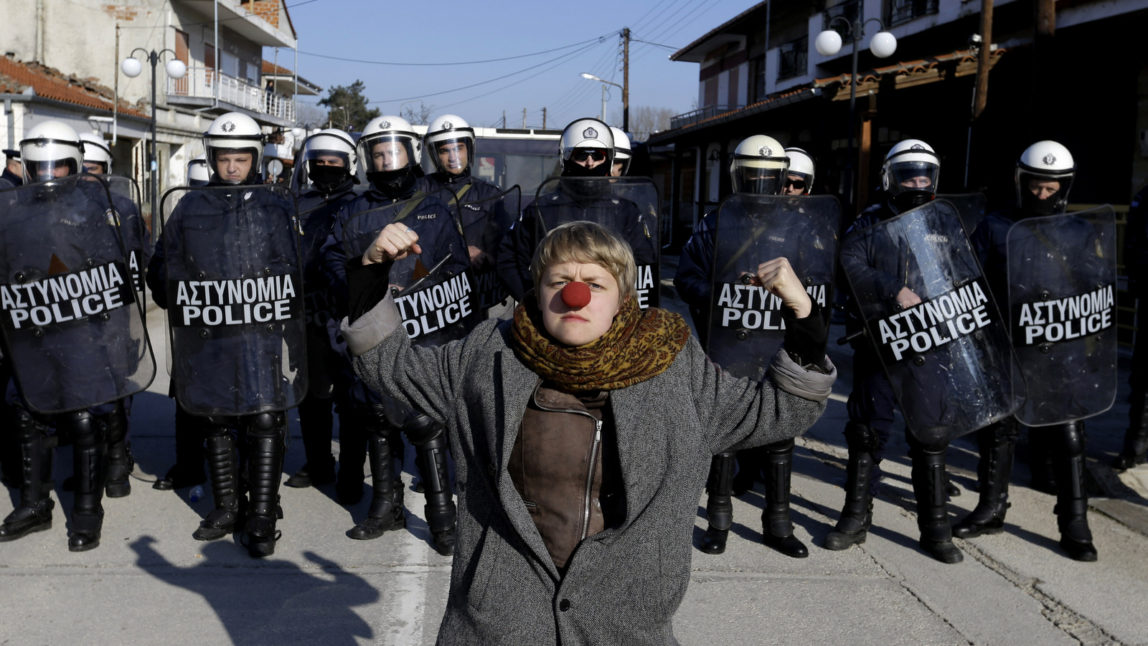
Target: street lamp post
x,y
828,43
131,66
604,82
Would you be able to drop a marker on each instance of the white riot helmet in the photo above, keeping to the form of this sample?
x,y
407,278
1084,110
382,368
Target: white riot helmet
x,y
1044,162
96,151
234,132
800,164
910,173
197,173
450,129
586,138
318,167
622,151
759,166
395,131
48,146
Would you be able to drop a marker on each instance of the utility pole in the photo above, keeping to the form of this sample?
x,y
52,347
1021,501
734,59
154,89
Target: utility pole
x,y
543,117
626,79
524,118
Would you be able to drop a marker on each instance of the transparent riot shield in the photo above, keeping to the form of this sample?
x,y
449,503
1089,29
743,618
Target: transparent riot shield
x,y
1062,302
74,331
932,321
484,222
133,229
626,205
745,326
970,206
234,292
434,290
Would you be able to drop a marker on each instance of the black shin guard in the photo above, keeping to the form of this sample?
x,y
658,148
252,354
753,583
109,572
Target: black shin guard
x,y
1071,497
777,528
120,462
88,459
996,444
221,461
266,434
431,460
386,511
857,513
34,512
719,503
932,517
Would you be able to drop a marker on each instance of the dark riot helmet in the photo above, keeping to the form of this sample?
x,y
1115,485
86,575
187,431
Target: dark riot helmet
x,y
1044,168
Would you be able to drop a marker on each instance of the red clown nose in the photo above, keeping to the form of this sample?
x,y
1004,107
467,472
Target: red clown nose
x,y
576,294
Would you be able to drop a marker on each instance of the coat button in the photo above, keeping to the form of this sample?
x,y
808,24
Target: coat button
x,y
564,605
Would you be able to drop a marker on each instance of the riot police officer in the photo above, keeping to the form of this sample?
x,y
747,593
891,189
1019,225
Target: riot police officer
x,y
48,392
98,161
389,152
909,179
235,375
587,153
323,183
13,170
1043,178
623,153
759,167
799,176
485,210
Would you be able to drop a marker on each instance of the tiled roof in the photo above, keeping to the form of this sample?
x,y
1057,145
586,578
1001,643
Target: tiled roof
x,y
50,83
961,62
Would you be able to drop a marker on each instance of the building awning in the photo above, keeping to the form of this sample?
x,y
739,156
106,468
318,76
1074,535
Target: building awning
x,y
284,80
904,74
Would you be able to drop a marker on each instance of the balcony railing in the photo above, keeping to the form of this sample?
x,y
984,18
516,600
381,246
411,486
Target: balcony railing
x,y
700,114
199,83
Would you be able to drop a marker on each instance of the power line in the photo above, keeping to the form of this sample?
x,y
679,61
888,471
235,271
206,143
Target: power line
x,y
455,63
639,40
467,87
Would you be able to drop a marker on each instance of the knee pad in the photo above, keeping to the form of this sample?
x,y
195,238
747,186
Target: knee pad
x,y
861,438
421,429
265,423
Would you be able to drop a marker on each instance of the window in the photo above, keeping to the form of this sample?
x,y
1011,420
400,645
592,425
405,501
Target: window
x,y
793,58
902,11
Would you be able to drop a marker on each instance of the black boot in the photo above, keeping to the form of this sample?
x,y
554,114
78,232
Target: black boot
x,y
719,504
1136,437
222,520
857,514
932,518
386,512
1071,499
431,460
996,448
266,435
88,461
11,468
353,438
120,462
315,422
190,434
777,529
34,514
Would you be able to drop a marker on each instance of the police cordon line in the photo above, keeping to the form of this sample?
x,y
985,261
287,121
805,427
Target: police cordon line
x,y
753,307
935,322
67,297
244,301
1062,319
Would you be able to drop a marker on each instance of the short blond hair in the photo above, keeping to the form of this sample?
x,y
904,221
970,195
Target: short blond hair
x,y
588,242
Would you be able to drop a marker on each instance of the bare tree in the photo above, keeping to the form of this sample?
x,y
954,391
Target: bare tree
x,y
644,121
417,116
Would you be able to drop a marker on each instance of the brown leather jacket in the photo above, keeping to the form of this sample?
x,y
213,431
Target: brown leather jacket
x,y
564,465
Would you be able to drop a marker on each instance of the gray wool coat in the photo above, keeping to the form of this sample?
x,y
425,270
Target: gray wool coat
x,y
622,585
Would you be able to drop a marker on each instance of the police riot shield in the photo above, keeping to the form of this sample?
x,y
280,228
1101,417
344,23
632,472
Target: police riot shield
x,y
928,312
234,292
484,222
970,206
1062,307
434,290
74,332
745,327
137,239
627,206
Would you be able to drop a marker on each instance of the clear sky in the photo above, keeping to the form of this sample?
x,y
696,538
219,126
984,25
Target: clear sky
x,y
437,47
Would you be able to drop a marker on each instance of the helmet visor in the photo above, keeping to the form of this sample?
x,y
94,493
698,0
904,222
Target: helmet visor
x,y
913,176
453,154
757,180
389,152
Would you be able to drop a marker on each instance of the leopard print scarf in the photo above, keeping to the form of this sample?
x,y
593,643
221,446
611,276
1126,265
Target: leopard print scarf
x,y
639,345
